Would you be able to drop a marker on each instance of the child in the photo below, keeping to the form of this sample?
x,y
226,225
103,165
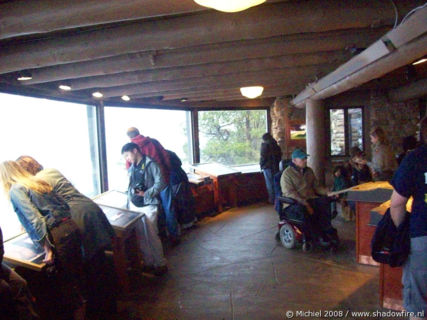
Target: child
x,y
360,170
340,183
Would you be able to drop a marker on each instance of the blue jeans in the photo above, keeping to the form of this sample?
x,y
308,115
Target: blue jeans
x,y
269,183
171,222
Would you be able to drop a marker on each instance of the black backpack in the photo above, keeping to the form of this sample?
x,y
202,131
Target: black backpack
x,y
391,245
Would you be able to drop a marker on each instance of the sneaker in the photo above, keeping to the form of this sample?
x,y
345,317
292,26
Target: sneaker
x,y
323,242
174,241
159,271
148,269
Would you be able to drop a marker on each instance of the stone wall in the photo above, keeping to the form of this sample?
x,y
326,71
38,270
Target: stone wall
x,y
278,114
398,119
282,113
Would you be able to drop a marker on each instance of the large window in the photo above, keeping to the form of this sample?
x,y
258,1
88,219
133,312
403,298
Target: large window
x,y
346,130
56,134
231,137
170,128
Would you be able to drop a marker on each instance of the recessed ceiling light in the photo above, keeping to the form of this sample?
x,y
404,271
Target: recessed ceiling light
x,y
97,94
64,87
229,5
125,98
420,61
252,92
24,76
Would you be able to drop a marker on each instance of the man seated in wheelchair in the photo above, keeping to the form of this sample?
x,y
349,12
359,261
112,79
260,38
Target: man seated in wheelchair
x,y
311,205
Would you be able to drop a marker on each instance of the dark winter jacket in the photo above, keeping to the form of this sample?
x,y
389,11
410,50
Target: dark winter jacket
x,y
271,154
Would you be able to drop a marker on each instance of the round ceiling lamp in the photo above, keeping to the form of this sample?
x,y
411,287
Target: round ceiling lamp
x,y
64,87
97,95
229,5
252,92
24,76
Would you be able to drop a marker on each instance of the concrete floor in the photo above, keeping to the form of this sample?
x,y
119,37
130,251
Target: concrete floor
x,y
231,267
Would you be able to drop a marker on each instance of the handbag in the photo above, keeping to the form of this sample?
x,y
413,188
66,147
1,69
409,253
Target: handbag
x,y
391,245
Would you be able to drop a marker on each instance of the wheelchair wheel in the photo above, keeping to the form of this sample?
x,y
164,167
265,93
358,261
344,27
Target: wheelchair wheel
x,y
287,236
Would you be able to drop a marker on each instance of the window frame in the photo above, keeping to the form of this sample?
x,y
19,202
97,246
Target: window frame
x,y
243,109
346,129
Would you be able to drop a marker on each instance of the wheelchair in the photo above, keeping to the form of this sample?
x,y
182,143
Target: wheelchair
x,y
293,232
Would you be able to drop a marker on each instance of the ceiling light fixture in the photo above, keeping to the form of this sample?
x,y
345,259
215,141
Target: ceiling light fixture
x,y
97,94
252,92
64,87
24,76
229,5
125,98
419,61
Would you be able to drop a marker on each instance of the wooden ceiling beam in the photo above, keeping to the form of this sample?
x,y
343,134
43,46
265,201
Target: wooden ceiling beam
x,y
241,79
25,17
261,22
238,104
206,70
233,51
232,92
231,104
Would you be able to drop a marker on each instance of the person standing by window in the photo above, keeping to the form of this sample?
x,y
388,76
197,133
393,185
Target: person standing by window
x,y
97,234
271,154
145,184
383,162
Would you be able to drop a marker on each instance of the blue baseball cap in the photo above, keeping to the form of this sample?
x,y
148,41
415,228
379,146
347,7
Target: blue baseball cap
x,y
299,153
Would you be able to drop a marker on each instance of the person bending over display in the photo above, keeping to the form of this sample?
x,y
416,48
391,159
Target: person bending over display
x,y
47,219
96,232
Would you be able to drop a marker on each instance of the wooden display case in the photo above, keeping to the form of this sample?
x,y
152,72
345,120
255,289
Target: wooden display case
x,y
367,196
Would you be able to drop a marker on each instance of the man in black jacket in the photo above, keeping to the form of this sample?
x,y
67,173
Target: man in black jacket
x,y
271,154
410,180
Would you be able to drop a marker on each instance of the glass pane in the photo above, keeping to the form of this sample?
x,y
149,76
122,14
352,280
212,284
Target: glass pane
x,y
169,127
336,117
231,137
56,134
355,133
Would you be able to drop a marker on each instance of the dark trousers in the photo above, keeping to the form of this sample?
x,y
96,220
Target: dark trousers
x,y
269,183
315,225
100,287
67,272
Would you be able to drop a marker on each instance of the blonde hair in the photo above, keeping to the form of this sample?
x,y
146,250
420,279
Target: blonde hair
x,y
11,172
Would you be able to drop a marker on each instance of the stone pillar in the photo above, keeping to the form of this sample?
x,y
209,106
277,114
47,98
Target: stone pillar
x,y
279,119
283,114
315,122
